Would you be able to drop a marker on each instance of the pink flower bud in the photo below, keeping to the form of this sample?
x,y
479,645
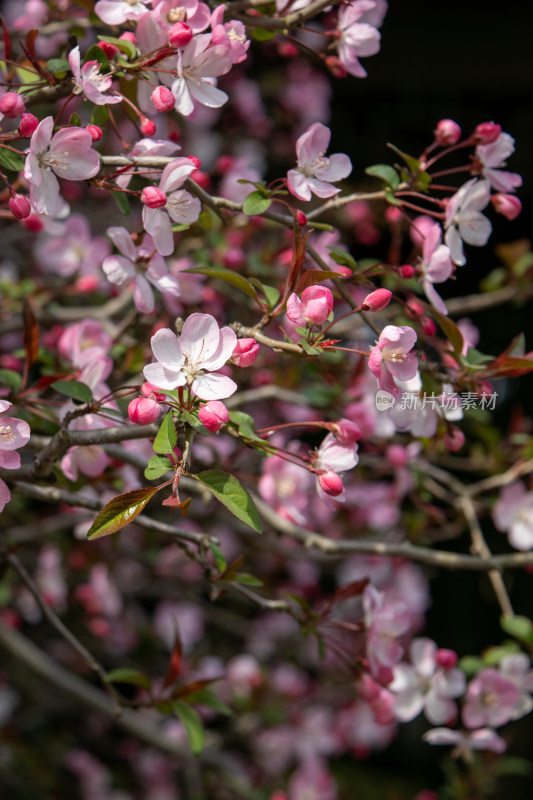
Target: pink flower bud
x,y
414,308
447,132
196,161
28,124
506,204
20,207
407,271
393,216
180,34
153,197
11,105
337,69
377,300
287,49
486,132
95,131
427,326
201,178
301,218
109,49
213,415
33,223
129,36
147,126
143,411
331,483
86,284
234,258
396,455
454,439
447,659
315,306
345,431
151,391
163,99
368,689
245,352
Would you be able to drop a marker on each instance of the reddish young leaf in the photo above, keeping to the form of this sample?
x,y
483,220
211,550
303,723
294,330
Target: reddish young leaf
x,y
31,333
7,38
313,276
120,511
175,662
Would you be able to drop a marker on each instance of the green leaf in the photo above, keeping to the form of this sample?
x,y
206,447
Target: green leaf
x,y
95,53
493,655
309,349
263,34
228,491
125,675
166,438
12,161
270,292
193,725
74,120
228,276
74,389
121,199
156,467
451,331
11,379
122,44
475,359
99,116
519,627
340,256
206,697
256,204
471,665
246,579
120,511
218,556
413,164
192,420
387,174
245,426
58,66
391,198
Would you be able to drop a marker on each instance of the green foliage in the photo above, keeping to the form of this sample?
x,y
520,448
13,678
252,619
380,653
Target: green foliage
x,y
77,390
228,491
166,438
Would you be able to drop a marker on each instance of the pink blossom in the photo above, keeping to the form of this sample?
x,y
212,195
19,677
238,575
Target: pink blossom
x,y
333,457
245,352
465,742
84,343
377,300
386,622
391,359
181,207
517,668
436,265
192,359
67,154
285,487
115,12
345,431
14,433
464,220
11,105
315,170
493,156
147,147
89,80
314,307
194,13
213,415
69,248
359,37
198,64
513,514
490,699
424,685
232,34
180,35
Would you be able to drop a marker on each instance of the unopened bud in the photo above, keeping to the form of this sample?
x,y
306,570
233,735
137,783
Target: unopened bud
x,y
147,126
301,218
427,326
33,223
163,99
28,125
454,438
109,49
407,271
95,131
486,132
506,204
377,300
143,411
20,207
245,352
223,164
196,161
213,415
447,659
331,483
129,36
414,308
11,105
345,431
151,391
153,197
180,34
337,69
447,132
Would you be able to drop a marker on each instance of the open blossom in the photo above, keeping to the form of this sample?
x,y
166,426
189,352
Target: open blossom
x,y
425,685
492,157
89,80
232,34
67,154
115,12
464,220
198,65
192,359
465,742
181,207
14,433
142,266
517,668
436,265
386,622
315,169
513,514
333,457
359,35
490,699
390,358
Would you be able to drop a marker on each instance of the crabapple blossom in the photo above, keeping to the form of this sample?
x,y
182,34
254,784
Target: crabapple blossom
x,y
331,458
377,300
285,487
424,685
192,359
231,34
492,156
213,415
385,622
358,24
198,64
314,307
315,169
14,433
517,668
245,352
69,248
490,699
436,264
11,105
148,147
464,220
179,36
466,741
487,132
89,80
181,207
20,207
391,359
67,154
513,514
163,99
143,410
115,12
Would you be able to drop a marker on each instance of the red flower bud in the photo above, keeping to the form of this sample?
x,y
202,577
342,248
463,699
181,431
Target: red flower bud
x,y
337,69
109,49
245,352
28,124
143,411
163,99
331,483
33,223
377,300
196,161
147,126
95,131
301,218
20,207
486,132
407,271
447,659
11,105
180,34
153,197
427,326
201,178
213,415
447,132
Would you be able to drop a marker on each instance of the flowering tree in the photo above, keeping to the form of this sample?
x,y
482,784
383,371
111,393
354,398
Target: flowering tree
x,y
231,448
